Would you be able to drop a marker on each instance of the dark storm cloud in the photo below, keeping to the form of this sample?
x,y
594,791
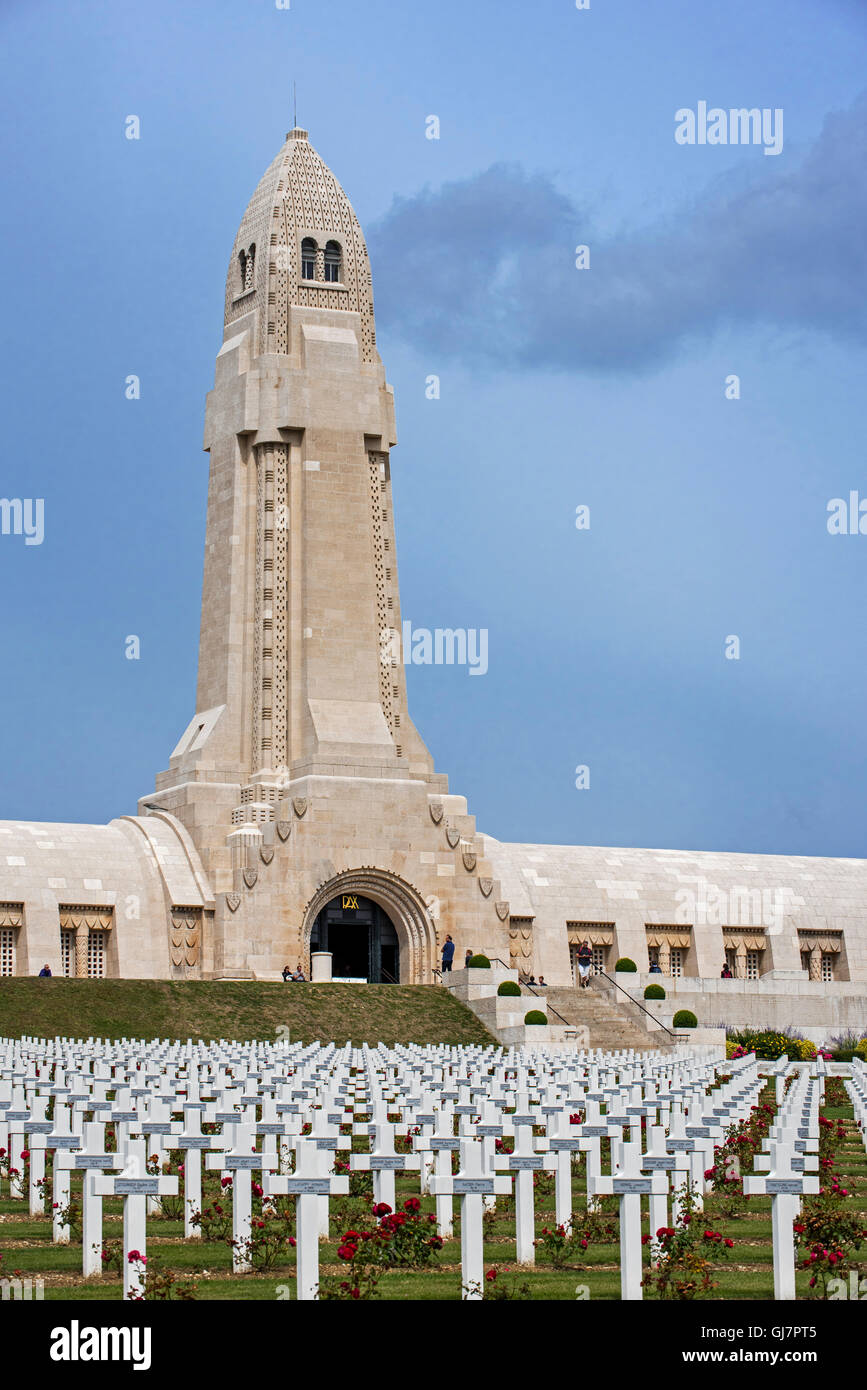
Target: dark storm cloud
x,y
484,269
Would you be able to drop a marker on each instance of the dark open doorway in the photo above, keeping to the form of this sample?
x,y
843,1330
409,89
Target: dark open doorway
x,y
361,938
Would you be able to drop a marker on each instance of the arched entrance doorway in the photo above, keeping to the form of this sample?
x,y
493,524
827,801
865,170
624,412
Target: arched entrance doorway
x,y
361,938
403,907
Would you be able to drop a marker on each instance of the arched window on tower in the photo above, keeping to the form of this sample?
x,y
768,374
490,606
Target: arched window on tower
x,y
332,262
308,259
242,267
250,267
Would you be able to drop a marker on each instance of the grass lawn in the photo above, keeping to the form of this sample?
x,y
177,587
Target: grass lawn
x,y
242,1009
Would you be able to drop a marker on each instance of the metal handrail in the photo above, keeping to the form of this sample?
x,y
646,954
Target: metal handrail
x,y
550,1008
636,1003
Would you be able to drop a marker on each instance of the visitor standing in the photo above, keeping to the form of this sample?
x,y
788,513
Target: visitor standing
x,y
585,960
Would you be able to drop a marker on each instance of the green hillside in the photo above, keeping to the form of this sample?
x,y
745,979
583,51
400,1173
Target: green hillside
x,y
239,1009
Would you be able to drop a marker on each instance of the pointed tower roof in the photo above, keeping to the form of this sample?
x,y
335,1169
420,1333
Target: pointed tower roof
x,y
297,197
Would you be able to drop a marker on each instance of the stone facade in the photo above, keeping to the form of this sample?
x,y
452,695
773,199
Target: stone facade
x,y
301,777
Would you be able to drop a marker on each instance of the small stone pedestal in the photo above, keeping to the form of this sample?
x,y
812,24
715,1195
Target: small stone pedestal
x,y
320,967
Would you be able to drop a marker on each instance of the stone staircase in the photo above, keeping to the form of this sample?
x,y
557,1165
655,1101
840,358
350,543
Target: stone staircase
x,y
611,1025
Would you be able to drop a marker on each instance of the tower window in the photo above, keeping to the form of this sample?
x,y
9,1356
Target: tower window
x,y
332,262
246,268
308,259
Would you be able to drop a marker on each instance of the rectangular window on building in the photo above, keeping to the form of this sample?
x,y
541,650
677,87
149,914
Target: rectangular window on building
x,y
7,950
676,962
600,956
827,965
753,965
653,955
67,952
732,961
96,954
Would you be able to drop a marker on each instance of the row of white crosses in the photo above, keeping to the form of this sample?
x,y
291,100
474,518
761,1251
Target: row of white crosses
x,y
260,1091
856,1087
790,1158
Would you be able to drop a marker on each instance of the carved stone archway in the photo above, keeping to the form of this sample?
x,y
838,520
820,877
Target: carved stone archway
x,y
405,907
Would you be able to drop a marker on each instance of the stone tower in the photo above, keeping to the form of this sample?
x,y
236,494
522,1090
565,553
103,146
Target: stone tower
x,y
301,778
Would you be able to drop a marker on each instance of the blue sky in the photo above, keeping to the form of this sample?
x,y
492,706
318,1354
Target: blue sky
x,y
559,387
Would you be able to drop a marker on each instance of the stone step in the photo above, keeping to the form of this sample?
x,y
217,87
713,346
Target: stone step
x,y
609,1025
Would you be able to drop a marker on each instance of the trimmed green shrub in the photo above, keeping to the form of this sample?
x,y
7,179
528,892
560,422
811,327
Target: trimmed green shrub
x,y
478,963
625,963
654,992
509,987
535,1016
684,1018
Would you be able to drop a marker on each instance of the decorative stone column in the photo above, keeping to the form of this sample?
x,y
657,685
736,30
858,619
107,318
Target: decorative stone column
x,y
244,844
741,961
816,962
664,956
82,937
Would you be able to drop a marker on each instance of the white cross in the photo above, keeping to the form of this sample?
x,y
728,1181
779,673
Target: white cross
x,y
239,1162
135,1186
630,1186
471,1184
310,1187
595,1129
383,1162
785,1187
523,1163
657,1158
60,1139
563,1140
327,1140
91,1160
191,1141
442,1145
35,1128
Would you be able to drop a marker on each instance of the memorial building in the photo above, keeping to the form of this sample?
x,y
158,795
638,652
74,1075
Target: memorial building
x,y
300,810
